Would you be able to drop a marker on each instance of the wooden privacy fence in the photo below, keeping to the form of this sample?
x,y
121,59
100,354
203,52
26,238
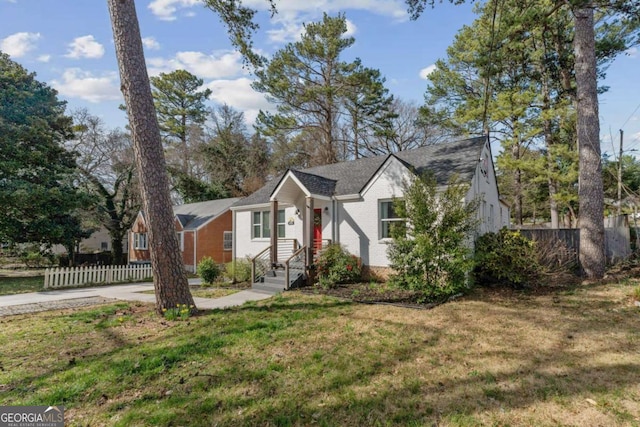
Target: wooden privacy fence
x,y
617,245
68,277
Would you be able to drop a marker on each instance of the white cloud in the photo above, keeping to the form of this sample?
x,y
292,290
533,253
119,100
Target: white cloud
x,y
395,9
289,30
77,83
291,14
351,29
18,44
85,47
166,9
44,58
218,65
239,94
150,43
424,73
632,52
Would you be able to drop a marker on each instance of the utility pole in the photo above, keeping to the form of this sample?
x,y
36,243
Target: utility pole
x,y
620,175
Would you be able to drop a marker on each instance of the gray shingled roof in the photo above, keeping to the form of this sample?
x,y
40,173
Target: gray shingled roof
x,y
444,160
316,184
193,215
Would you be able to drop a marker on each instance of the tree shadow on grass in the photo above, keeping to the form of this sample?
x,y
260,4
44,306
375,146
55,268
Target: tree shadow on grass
x,y
331,362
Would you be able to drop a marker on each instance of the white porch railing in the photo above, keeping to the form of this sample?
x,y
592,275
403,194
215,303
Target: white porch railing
x,y
68,277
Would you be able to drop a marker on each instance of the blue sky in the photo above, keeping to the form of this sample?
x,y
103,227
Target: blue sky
x,y
68,43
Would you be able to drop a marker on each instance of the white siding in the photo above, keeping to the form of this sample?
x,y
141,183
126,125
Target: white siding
x,y
484,186
247,246
359,220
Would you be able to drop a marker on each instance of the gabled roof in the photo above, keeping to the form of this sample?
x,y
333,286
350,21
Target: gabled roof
x,y
316,184
443,160
194,215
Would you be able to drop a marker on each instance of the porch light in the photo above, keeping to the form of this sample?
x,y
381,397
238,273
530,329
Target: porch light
x,y
326,210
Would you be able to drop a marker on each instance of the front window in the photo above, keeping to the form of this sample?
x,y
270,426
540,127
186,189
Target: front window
x,y
261,224
140,241
388,219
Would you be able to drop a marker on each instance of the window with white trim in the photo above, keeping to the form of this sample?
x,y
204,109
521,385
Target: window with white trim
x,y
140,241
388,218
261,224
227,240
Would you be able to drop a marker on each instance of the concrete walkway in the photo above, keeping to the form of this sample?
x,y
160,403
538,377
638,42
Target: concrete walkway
x,y
71,298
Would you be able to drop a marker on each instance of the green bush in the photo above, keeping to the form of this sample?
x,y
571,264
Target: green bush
x,y
506,258
32,257
208,270
431,254
238,270
336,265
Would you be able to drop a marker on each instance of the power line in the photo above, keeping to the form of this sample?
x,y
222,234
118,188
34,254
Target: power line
x,y
629,118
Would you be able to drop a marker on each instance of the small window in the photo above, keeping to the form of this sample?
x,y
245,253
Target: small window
x,y
180,235
227,240
104,246
388,219
261,224
281,223
140,241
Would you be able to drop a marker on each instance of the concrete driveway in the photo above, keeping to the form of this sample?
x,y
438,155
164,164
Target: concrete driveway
x,y
71,298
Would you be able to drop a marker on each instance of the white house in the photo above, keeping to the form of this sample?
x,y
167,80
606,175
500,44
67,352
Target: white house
x,y
350,203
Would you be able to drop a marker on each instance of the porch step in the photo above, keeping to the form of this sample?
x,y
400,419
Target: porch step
x,y
274,281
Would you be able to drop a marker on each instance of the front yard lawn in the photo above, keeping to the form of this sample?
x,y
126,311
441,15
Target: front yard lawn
x,y
21,284
564,358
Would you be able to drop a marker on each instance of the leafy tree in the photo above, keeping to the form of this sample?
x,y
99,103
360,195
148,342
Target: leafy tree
x,y
431,254
39,198
180,104
107,171
169,276
226,150
621,20
315,90
257,164
406,130
630,177
368,110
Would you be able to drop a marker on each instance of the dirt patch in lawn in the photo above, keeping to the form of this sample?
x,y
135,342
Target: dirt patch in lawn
x,y
373,293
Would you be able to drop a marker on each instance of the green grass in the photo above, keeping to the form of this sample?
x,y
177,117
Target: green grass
x,y
20,285
297,360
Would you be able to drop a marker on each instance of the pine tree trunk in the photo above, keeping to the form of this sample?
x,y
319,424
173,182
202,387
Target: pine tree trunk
x,y
590,191
169,277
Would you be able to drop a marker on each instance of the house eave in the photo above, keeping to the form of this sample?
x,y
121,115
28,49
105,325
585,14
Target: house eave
x,y
249,207
347,197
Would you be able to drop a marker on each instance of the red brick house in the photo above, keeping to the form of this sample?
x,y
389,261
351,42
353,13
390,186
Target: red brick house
x,y
204,229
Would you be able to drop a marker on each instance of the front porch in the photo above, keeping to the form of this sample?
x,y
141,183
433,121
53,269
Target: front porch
x,y
292,267
299,223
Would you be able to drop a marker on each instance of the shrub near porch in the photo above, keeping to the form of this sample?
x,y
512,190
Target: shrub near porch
x,y
336,265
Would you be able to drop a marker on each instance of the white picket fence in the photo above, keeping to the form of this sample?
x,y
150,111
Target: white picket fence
x,y
68,277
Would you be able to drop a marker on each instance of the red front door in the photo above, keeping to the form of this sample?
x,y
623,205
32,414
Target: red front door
x,y
317,230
